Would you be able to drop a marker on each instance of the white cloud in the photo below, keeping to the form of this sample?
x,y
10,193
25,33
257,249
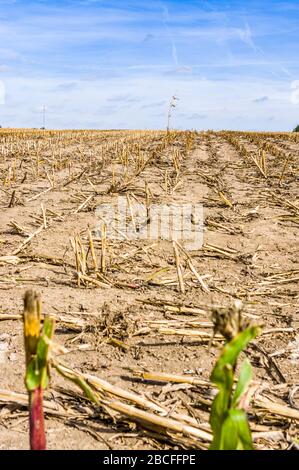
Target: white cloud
x,y
204,101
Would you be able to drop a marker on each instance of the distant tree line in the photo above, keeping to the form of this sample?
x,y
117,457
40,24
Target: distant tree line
x,y
296,128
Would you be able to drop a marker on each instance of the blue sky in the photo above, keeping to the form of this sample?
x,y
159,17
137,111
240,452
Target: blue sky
x,y
100,64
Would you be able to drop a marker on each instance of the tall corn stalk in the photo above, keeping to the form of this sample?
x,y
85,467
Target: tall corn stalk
x,y
172,105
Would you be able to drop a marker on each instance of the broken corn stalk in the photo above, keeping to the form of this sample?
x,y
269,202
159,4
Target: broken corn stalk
x,y
37,343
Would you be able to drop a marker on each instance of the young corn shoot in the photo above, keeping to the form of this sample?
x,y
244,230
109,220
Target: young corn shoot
x,y
228,420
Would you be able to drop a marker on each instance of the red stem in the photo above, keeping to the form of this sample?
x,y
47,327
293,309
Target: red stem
x,y
37,427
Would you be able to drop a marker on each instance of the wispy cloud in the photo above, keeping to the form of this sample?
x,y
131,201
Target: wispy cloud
x,y
262,99
166,19
67,86
156,104
196,116
246,37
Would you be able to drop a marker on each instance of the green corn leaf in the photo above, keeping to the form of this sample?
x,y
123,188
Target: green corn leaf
x,y
37,370
231,353
86,390
217,416
44,341
218,410
244,434
229,434
243,382
235,432
43,350
221,402
79,381
32,378
229,424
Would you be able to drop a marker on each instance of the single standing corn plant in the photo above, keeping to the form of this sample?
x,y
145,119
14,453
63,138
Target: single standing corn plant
x,y
37,374
228,420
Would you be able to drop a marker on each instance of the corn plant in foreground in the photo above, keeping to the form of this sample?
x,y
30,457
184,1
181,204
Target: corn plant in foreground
x,y
37,342
228,420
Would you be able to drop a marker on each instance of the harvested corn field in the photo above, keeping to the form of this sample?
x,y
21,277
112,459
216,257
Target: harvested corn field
x,y
135,315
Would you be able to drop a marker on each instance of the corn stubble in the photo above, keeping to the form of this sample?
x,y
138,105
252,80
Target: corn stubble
x,y
112,164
